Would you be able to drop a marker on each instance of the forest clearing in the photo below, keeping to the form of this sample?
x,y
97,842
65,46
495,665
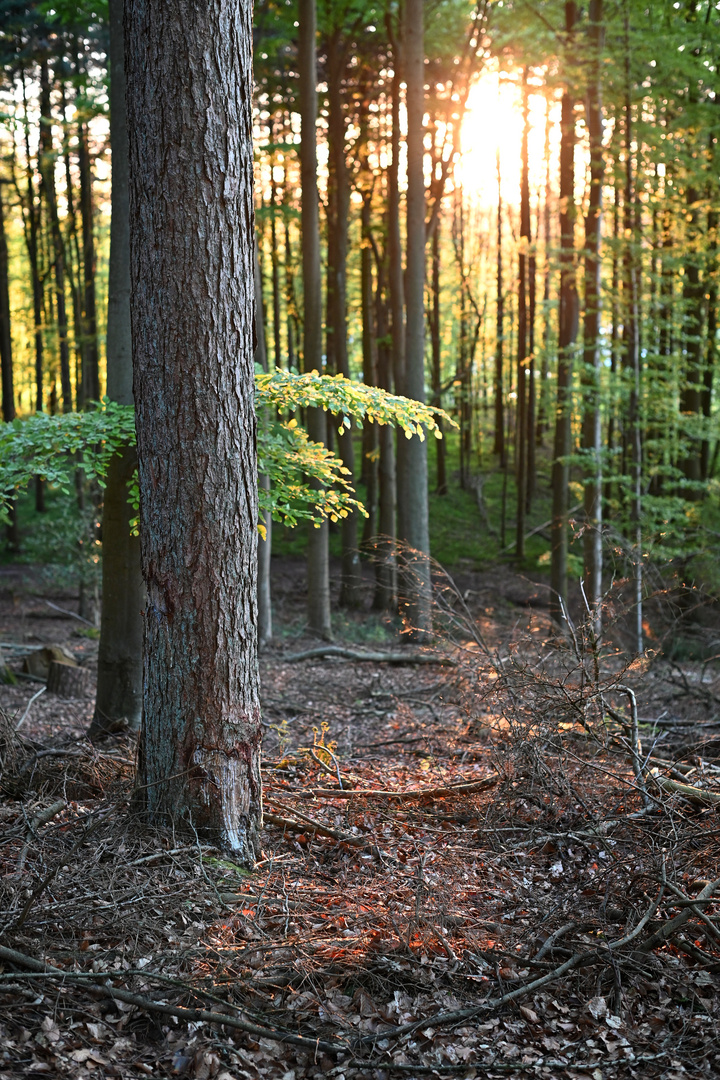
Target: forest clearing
x,y
359,588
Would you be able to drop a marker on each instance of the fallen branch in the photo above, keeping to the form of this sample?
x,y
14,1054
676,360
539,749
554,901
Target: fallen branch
x,y
307,824
188,1015
41,818
70,614
687,791
375,657
668,929
24,716
464,788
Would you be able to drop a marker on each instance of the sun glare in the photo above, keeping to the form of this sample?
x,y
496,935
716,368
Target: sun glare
x,y
492,126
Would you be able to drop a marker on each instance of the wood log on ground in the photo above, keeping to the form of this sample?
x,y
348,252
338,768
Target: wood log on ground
x,y
38,662
69,681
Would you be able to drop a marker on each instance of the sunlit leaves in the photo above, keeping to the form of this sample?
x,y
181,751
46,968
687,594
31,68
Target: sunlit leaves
x,y
307,481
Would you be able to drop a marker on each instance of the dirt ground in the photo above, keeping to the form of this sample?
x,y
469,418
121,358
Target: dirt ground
x,y
503,885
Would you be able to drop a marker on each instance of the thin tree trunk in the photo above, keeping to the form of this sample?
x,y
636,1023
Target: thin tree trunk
x,y
370,371
318,608
191,161
12,532
522,342
631,358
499,442
440,444
385,566
567,332
32,231
91,364
275,257
413,525
47,171
543,395
264,542
119,686
592,428
6,357
351,574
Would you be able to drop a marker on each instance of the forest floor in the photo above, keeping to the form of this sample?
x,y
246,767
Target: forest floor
x,y
501,887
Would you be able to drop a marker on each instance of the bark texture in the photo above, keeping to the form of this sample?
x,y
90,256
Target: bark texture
x,y
189,75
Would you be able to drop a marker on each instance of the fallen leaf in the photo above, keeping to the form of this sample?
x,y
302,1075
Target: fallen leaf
x,y
597,1007
530,1015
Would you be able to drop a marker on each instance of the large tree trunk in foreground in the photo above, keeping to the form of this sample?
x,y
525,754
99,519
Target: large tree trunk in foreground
x,y
412,493
191,234
119,686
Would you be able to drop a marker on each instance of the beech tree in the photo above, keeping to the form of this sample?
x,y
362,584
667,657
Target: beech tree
x,y
189,84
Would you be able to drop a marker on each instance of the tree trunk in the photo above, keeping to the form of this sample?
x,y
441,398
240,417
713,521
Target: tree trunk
x,y
631,357
119,685
592,429
385,566
274,256
12,532
32,242
351,575
499,440
264,543
434,318
567,332
413,525
370,373
91,361
522,342
8,392
318,608
191,233
542,396
47,171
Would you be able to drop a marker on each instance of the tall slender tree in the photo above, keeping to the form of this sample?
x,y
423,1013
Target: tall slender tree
x,y
118,701
567,333
592,427
318,560
413,524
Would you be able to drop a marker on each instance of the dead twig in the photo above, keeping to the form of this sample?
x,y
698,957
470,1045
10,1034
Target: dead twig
x,y
101,984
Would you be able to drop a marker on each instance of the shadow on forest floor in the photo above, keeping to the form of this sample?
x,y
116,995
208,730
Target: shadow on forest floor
x,y
514,879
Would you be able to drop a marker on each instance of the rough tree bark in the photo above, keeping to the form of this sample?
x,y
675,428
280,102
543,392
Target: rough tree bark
x,y
318,561
189,90
119,687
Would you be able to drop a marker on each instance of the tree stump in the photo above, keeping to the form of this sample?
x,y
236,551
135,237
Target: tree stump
x,y
69,681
